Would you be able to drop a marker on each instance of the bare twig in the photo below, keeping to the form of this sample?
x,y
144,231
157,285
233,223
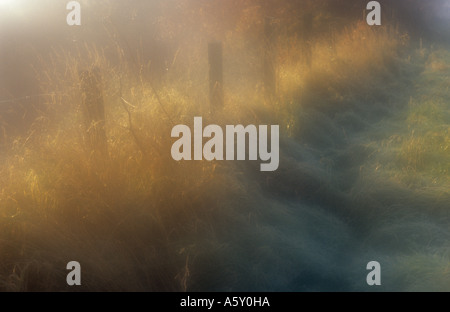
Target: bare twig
x,y
139,143
115,38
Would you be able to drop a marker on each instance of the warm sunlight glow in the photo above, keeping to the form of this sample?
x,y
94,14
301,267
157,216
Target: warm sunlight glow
x,y
9,5
7,2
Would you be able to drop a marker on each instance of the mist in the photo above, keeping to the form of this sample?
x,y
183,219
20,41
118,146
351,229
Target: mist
x,y
87,174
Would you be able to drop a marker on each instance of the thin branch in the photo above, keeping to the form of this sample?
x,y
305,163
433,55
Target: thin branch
x,y
139,143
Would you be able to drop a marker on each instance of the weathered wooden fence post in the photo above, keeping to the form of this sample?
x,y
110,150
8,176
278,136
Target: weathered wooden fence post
x,y
93,110
215,56
269,67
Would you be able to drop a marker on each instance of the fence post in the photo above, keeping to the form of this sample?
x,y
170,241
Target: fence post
x,y
269,68
215,56
93,110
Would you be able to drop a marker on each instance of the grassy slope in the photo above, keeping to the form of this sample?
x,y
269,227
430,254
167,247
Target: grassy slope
x,y
413,160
